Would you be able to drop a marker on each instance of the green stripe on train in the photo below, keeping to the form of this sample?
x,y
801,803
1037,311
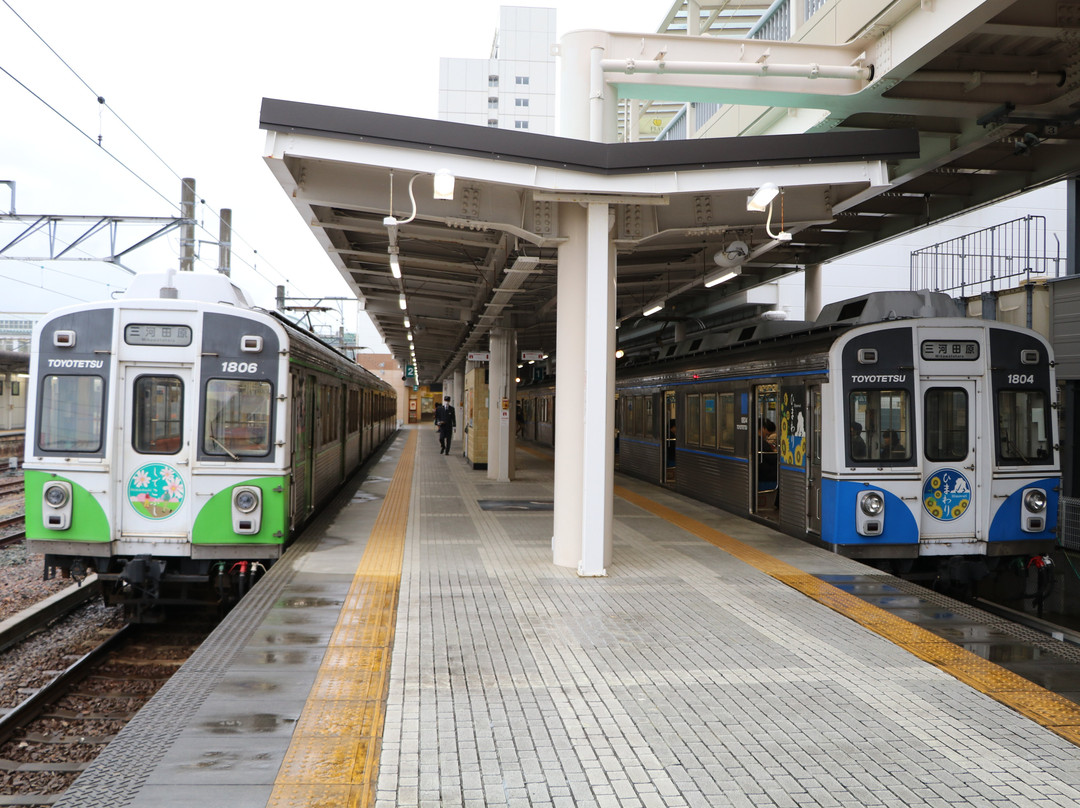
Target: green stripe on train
x,y
88,520
213,525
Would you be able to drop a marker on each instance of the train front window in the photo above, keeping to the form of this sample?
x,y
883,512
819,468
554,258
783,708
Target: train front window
x,y
237,418
158,420
946,424
1022,428
879,426
71,413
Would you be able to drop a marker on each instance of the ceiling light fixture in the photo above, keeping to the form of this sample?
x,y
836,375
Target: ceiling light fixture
x,y
407,323
444,184
395,263
763,198
443,189
653,307
401,301
722,276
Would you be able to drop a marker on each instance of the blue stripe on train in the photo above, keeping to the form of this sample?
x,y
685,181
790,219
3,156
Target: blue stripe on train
x,y
1005,525
838,504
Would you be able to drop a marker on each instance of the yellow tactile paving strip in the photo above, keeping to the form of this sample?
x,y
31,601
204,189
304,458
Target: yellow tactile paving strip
x,y
1048,709
333,759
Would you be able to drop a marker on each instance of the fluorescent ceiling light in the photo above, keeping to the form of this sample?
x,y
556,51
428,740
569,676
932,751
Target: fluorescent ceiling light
x,y
721,277
407,324
395,264
652,308
401,301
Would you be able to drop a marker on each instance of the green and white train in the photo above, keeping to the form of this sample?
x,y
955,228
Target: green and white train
x,y
177,438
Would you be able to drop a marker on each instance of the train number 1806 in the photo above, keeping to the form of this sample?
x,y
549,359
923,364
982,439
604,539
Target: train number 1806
x,y
239,367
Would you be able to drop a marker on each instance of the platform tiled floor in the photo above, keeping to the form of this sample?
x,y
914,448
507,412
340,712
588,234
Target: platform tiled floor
x,y
684,678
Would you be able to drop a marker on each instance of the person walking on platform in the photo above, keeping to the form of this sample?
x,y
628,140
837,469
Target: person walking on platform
x,y
445,420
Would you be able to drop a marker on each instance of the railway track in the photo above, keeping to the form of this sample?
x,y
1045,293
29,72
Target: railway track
x,y
58,730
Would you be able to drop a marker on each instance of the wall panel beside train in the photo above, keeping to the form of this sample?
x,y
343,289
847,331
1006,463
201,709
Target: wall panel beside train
x,y
889,429
177,438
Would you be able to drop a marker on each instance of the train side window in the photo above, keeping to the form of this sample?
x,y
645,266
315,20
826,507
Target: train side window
x,y
158,415
708,420
726,422
71,413
237,418
1023,431
881,420
650,428
946,424
693,420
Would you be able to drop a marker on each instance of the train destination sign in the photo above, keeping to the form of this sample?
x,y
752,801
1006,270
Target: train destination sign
x,y
950,349
155,334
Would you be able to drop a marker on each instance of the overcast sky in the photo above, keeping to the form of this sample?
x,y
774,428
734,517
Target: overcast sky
x,y
188,78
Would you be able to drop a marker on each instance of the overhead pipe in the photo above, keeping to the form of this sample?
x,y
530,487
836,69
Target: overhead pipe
x,y
976,77
759,69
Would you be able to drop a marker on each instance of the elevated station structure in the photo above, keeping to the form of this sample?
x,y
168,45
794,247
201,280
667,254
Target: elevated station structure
x,y
874,118
534,221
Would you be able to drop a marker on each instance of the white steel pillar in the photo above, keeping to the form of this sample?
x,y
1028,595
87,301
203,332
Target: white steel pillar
x,y
459,402
812,291
585,391
501,393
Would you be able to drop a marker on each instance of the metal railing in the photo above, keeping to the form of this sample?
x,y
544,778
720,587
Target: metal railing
x,y
775,24
981,261
1069,522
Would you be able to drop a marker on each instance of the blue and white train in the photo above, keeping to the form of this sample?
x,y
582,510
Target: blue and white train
x,y
889,429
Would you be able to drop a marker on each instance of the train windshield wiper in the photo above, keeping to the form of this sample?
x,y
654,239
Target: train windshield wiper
x,y
226,448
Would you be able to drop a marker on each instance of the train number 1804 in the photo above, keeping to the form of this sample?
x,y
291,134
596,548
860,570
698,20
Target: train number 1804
x,y
1021,378
239,367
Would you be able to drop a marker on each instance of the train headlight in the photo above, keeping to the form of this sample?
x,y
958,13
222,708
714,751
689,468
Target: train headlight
x,y
872,503
247,510
56,505
246,500
1035,500
57,495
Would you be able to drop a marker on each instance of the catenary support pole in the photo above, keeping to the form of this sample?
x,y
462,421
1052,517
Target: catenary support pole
x,y
187,229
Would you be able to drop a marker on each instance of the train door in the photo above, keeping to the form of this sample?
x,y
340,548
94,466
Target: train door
x,y
155,486
813,481
765,466
669,435
950,489
303,445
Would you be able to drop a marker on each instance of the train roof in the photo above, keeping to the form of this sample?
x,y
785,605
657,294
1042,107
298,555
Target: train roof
x,y
866,309
206,287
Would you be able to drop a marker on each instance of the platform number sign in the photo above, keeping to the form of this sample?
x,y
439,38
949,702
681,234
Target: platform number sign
x,y
410,371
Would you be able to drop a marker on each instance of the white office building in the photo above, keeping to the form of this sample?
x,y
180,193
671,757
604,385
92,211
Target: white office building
x,y
515,87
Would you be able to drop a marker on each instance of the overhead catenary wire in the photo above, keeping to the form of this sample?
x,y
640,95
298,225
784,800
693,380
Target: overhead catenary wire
x,y
236,236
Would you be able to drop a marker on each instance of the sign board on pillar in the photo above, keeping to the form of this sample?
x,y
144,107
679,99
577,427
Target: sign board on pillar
x,y
532,356
479,356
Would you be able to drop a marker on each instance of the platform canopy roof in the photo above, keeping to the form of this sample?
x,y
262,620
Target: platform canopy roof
x,y
488,256
967,102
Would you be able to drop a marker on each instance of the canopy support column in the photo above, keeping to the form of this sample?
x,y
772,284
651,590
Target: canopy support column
x,y
585,391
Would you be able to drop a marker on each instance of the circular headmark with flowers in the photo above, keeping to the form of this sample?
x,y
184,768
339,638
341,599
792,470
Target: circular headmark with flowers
x,y
156,491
